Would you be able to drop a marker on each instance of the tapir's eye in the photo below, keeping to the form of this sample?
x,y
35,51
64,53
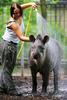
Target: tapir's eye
x,y
33,47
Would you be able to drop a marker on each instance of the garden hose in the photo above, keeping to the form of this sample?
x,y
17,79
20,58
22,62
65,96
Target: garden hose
x,y
27,28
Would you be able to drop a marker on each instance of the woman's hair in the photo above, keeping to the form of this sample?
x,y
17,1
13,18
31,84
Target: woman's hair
x,y
13,6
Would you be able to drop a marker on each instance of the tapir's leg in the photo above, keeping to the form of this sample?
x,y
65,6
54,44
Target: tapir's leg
x,y
55,70
45,77
34,82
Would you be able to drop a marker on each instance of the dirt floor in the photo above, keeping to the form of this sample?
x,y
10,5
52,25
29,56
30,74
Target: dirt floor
x,y
24,85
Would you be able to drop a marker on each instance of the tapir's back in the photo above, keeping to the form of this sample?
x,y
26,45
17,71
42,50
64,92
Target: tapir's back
x,y
53,53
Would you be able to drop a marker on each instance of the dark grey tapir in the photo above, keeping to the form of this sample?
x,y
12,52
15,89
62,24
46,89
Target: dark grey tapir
x,y
44,57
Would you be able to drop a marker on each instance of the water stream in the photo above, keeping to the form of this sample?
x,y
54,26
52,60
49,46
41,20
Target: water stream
x,y
43,28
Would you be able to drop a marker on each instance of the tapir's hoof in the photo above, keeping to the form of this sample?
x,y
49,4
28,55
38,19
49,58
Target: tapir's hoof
x,y
34,93
55,92
44,94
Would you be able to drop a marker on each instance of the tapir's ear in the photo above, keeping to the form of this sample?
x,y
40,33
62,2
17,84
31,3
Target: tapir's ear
x,y
32,38
45,39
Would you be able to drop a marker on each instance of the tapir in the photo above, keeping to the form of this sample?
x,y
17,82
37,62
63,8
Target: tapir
x,y
44,57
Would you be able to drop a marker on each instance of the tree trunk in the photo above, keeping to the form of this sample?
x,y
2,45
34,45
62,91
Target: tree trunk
x,y
43,8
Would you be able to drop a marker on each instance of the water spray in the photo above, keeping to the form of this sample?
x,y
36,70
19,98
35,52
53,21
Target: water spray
x,y
36,10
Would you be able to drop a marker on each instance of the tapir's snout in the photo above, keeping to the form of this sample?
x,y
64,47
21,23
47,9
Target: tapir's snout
x,y
36,56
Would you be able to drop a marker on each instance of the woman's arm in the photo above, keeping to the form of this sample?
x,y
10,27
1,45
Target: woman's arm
x,y
31,4
18,32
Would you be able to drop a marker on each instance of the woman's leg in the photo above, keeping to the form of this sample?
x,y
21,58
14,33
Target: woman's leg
x,y
9,59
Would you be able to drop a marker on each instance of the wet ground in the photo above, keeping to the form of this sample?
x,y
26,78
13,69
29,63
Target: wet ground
x,y
24,86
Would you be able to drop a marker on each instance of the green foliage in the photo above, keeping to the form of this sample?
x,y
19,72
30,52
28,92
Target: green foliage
x,y
60,33
54,1
4,16
5,2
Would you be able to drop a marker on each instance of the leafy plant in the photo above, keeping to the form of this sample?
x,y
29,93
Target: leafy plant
x,y
60,33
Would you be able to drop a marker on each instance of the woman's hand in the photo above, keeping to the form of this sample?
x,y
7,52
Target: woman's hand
x,y
34,5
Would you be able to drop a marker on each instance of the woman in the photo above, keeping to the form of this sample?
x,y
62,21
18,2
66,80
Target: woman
x,y
11,37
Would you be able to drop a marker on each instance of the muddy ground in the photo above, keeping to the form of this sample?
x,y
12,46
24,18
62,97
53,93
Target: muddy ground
x,y
24,85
